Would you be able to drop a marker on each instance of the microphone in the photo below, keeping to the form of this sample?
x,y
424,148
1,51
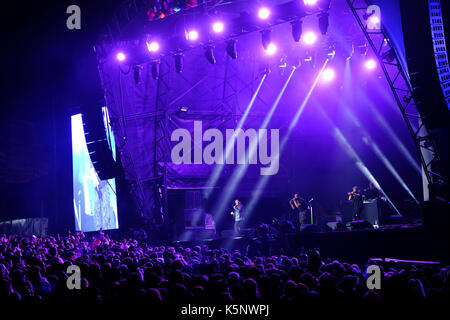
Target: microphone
x,y
312,199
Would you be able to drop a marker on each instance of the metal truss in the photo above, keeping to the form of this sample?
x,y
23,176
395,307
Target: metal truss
x,y
161,138
400,85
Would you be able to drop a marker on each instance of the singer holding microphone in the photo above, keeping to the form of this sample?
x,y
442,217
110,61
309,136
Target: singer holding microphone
x,y
300,206
237,214
356,198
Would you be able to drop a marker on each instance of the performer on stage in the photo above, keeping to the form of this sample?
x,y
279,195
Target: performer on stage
x,y
356,198
237,213
371,193
300,206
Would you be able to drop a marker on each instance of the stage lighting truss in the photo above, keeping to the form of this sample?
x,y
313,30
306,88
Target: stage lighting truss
x,y
388,60
215,29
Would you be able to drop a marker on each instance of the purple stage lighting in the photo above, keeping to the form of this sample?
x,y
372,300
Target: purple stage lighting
x,y
309,38
121,56
370,64
263,13
328,75
271,49
153,46
309,2
192,35
218,27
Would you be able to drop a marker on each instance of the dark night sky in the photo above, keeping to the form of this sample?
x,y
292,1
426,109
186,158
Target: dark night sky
x,y
43,61
47,72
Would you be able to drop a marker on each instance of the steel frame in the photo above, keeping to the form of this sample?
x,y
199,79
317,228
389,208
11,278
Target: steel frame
x,y
400,85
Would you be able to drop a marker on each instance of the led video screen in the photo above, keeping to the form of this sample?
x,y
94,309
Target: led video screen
x,y
94,200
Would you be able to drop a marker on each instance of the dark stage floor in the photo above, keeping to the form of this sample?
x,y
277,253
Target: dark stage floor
x,y
401,241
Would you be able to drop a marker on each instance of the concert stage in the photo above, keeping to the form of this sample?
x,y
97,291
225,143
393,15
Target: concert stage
x,y
411,241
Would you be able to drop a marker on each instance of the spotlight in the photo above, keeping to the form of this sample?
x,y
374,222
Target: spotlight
x,y
297,30
209,54
323,22
121,56
178,62
231,49
152,46
155,69
137,74
309,38
192,35
309,2
218,27
370,64
328,75
271,49
265,38
263,13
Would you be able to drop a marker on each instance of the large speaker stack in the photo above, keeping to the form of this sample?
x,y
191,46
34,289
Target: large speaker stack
x,y
98,144
424,33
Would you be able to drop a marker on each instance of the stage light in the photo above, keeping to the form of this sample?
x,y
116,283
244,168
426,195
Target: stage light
x,y
263,13
178,62
192,35
265,38
370,64
209,54
297,30
152,46
271,49
309,38
323,22
218,27
137,74
155,69
310,2
121,56
328,75
231,49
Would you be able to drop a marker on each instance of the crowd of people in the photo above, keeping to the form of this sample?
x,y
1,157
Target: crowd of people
x,y
34,269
